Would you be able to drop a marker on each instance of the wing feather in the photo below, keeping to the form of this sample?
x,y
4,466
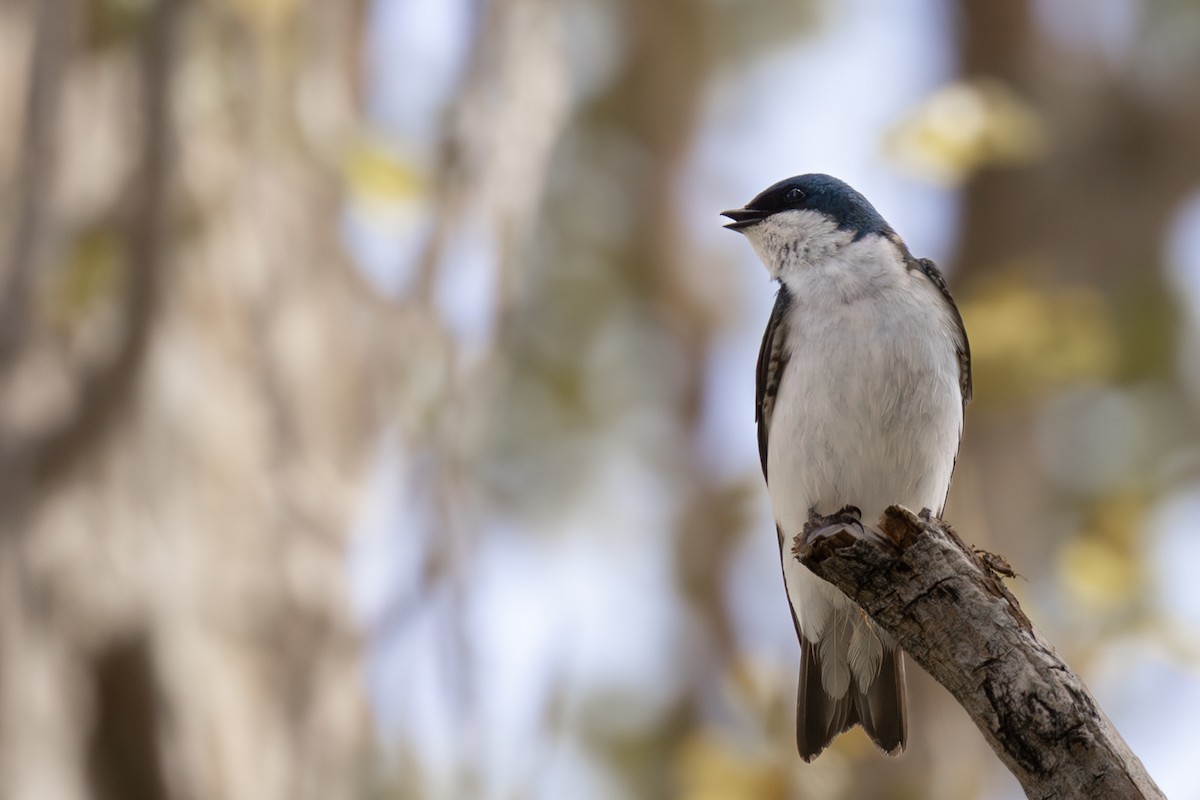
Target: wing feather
x,y
963,347
772,358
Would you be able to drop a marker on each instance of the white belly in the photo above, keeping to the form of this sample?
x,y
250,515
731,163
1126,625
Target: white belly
x,y
868,413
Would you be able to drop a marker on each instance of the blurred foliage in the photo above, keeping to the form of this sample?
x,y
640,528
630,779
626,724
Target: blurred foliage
x,y
91,274
115,23
710,769
965,127
1149,322
1100,567
1027,342
374,173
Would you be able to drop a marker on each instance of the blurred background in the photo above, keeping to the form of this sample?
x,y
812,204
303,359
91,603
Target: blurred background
x,y
376,382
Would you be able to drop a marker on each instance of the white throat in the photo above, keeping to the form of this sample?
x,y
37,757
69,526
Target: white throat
x,y
796,240
805,249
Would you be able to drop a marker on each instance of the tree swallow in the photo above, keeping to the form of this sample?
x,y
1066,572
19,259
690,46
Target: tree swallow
x,y
863,377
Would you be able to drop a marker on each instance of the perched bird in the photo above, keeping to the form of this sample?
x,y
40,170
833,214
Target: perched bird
x,y
863,377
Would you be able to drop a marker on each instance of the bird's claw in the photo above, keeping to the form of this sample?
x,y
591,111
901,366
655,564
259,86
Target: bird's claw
x,y
820,526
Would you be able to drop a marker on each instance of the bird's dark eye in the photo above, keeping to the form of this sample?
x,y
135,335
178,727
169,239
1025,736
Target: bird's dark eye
x,y
794,195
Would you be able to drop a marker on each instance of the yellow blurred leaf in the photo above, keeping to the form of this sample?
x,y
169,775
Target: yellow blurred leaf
x,y
964,127
91,273
1118,517
1101,567
711,769
1097,573
1026,341
374,173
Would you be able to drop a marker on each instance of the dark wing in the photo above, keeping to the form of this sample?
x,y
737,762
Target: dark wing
x,y
771,360
930,270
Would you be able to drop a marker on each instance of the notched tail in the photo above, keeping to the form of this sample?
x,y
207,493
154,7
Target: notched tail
x,y
881,710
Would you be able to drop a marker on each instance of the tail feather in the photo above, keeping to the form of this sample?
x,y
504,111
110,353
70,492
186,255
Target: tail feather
x,y
819,716
881,709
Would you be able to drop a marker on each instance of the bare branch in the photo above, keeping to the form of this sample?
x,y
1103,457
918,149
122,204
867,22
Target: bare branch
x,y
953,615
123,754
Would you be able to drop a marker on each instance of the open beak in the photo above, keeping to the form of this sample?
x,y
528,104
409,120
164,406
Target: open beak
x,y
743,218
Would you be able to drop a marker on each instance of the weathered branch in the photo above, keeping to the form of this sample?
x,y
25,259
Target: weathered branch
x,y
952,614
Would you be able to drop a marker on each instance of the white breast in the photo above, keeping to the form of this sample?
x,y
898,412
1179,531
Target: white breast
x,y
868,413
869,410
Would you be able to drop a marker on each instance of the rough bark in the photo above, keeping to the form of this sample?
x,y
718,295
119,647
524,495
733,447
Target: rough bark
x,y
948,608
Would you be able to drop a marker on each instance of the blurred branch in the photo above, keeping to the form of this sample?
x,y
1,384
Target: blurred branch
x,y
951,613
509,113
36,171
103,389
123,758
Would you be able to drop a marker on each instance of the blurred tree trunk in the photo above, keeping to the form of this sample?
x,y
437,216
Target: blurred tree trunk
x,y
192,378
1090,215
1120,161
1093,212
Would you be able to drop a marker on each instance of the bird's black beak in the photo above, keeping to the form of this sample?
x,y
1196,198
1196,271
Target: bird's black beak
x,y
743,218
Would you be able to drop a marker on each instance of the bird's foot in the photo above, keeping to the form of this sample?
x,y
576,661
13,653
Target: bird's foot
x,y
844,525
848,518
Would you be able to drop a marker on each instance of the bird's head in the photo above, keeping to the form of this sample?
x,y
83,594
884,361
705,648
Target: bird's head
x,y
803,219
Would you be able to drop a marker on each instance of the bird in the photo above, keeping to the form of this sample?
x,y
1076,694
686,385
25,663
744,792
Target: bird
x,y
862,383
